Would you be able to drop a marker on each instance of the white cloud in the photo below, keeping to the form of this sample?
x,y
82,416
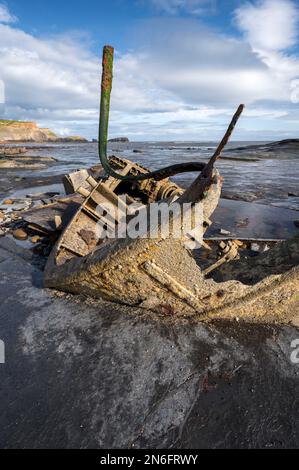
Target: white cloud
x,y
201,67
185,83
172,7
5,15
269,24
43,77
271,28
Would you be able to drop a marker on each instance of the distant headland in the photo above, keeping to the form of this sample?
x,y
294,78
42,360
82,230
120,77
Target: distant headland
x,y
120,139
20,131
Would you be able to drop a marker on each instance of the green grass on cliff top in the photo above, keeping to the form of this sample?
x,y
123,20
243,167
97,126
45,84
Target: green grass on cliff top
x,y
7,122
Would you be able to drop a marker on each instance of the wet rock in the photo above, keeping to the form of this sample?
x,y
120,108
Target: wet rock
x,y
2,232
35,239
255,247
119,139
247,197
41,196
12,150
296,223
222,245
20,234
58,222
21,206
6,209
15,205
6,164
260,247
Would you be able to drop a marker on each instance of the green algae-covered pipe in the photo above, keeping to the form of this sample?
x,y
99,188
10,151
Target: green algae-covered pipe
x,y
107,78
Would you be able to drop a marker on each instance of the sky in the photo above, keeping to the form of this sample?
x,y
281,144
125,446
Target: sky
x,y
181,67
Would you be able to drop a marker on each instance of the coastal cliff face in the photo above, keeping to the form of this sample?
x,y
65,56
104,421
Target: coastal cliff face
x,y
16,131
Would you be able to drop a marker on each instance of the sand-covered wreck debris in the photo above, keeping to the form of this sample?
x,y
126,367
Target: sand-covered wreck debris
x,y
161,273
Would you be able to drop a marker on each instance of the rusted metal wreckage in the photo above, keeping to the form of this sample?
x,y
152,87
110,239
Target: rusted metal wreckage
x,y
161,273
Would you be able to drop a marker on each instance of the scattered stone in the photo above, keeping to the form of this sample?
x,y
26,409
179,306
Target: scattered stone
x,y
224,232
35,239
255,247
20,234
222,245
58,221
6,209
2,216
2,233
15,205
21,206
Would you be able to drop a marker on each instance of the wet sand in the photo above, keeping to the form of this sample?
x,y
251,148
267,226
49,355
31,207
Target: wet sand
x,y
91,374
81,373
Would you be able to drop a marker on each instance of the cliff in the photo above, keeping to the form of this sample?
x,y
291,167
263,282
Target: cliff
x,y
17,131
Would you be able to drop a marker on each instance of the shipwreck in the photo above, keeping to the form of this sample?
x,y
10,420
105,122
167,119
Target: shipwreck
x,y
160,273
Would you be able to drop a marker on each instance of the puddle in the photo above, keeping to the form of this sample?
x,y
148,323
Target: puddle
x,y
245,220
50,188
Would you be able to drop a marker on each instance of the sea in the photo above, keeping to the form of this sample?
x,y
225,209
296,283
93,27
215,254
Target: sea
x,y
251,175
260,189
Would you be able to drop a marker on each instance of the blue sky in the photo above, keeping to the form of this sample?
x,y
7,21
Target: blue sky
x,y
111,20
181,67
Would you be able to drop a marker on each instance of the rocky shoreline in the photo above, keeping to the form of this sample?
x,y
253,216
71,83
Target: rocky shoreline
x,y
18,158
284,149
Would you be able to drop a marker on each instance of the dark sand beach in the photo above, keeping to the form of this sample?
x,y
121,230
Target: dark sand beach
x,y
92,374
